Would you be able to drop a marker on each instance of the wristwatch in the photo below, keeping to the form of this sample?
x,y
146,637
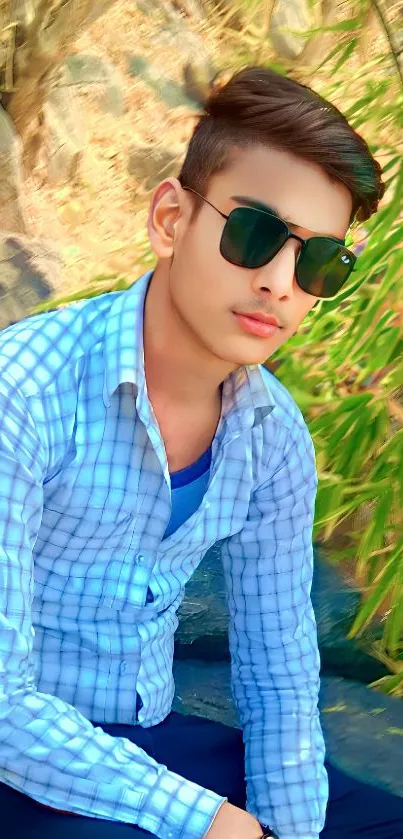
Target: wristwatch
x,y
268,833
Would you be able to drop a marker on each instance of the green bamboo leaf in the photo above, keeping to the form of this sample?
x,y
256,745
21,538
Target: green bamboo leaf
x,y
337,515
347,52
366,322
360,455
391,445
343,26
389,684
394,161
350,403
64,301
382,514
384,349
122,284
329,422
399,481
397,355
353,454
328,499
377,433
384,468
395,238
104,278
342,432
374,536
395,377
381,460
365,489
383,219
359,105
375,334
369,542
394,622
381,589
335,51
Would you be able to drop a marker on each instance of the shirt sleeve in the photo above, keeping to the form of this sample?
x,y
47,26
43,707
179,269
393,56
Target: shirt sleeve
x,y
48,750
274,650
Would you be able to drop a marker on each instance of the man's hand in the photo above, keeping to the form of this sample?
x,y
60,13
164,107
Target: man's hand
x,y
233,823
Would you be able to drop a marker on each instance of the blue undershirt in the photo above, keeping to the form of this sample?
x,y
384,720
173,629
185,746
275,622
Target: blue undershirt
x,y
188,487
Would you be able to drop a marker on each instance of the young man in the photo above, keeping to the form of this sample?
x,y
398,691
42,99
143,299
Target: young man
x,y
138,429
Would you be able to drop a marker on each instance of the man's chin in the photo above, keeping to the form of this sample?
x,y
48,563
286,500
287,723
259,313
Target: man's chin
x,y
235,353
248,357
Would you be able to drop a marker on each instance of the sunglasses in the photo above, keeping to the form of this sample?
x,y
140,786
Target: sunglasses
x,y
252,237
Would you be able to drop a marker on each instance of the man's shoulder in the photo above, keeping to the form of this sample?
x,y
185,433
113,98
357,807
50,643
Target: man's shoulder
x,y
34,351
286,436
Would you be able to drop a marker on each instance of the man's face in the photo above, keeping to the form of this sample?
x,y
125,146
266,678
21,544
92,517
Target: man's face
x,y
208,293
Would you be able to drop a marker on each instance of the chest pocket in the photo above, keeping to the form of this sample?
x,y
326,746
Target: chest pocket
x,y
80,553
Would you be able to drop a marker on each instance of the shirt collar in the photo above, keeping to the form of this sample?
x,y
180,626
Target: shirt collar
x,y
123,343
247,398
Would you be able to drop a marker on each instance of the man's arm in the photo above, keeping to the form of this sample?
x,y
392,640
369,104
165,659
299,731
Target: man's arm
x,y
48,750
273,641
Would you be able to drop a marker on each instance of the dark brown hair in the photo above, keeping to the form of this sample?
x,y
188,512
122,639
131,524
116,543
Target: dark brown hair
x,y
258,106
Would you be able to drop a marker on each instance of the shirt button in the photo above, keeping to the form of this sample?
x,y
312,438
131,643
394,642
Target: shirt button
x,y
140,559
123,667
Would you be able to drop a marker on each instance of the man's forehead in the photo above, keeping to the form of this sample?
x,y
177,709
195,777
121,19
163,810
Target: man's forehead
x,y
247,201
296,190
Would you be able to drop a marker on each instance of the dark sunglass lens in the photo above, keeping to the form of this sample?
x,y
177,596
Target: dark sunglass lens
x,y
323,267
251,238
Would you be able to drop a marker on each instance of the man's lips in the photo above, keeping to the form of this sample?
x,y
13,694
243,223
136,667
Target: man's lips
x,y
258,323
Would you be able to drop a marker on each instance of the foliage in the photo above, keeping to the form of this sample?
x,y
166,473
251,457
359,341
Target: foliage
x,y
348,363
345,365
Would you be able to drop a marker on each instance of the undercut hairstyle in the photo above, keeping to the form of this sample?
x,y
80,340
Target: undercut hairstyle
x,y
259,106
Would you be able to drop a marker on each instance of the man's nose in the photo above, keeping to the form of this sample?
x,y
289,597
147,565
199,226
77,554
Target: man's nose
x,y
277,278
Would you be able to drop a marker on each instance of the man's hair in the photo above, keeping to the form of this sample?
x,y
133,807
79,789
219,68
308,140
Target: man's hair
x,y
258,106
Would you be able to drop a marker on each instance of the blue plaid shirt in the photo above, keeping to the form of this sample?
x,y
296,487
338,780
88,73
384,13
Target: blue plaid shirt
x,y
89,588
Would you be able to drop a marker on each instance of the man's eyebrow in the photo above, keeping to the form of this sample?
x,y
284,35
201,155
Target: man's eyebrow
x,y
259,205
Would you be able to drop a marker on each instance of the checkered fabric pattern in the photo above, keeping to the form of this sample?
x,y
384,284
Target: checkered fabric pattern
x,y
89,588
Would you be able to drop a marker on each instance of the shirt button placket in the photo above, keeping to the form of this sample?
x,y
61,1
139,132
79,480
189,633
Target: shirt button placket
x,y
141,576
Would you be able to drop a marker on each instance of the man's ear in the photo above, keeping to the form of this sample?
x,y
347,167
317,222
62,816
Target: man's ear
x,y
165,212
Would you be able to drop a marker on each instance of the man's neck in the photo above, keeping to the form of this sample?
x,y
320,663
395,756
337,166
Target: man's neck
x,y
177,366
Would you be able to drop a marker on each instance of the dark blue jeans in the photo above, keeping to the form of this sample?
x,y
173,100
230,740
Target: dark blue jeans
x,y
212,755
